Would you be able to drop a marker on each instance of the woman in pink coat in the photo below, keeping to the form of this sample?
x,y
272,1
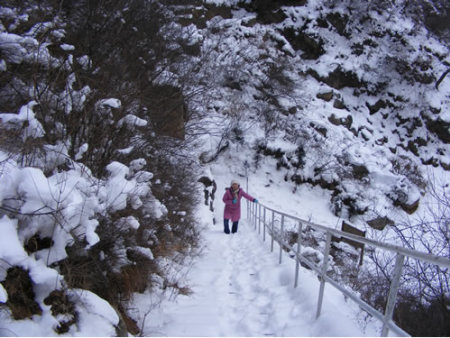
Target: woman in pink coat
x,y
232,200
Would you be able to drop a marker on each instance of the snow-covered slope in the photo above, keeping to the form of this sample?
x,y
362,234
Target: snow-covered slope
x,y
343,96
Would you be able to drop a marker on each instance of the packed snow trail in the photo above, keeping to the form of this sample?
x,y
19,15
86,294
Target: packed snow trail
x,y
239,289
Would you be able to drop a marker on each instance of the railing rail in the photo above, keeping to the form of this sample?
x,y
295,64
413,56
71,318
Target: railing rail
x,y
257,213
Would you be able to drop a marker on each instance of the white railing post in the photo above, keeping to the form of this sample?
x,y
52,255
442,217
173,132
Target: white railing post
x,y
271,232
395,283
281,238
264,225
251,213
323,273
297,256
259,219
255,212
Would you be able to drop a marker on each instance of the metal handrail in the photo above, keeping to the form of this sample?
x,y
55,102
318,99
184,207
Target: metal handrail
x,y
256,219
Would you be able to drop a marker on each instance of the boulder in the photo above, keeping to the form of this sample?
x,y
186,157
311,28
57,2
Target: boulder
x,y
320,129
343,121
380,104
410,206
326,96
339,22
406,196
339,104
311,46
339,78
445,166
359,171
440,128
380,223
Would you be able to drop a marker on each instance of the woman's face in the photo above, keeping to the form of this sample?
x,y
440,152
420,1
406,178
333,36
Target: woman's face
x,y
235,186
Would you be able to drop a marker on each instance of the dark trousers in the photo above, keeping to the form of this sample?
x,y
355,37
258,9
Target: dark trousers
x,y
234,228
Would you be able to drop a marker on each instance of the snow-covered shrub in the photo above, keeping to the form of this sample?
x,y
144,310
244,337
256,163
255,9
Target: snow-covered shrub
x,y
21,296
78,157
179,196
403,165
416,302
63,308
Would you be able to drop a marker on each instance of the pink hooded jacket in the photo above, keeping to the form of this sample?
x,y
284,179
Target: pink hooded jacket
x,y
233,211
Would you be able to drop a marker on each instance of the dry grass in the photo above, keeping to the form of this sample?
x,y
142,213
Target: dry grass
x,y
19,287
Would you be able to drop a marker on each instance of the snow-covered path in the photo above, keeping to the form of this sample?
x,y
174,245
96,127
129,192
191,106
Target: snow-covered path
x,y
238,286
235,290
239,289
